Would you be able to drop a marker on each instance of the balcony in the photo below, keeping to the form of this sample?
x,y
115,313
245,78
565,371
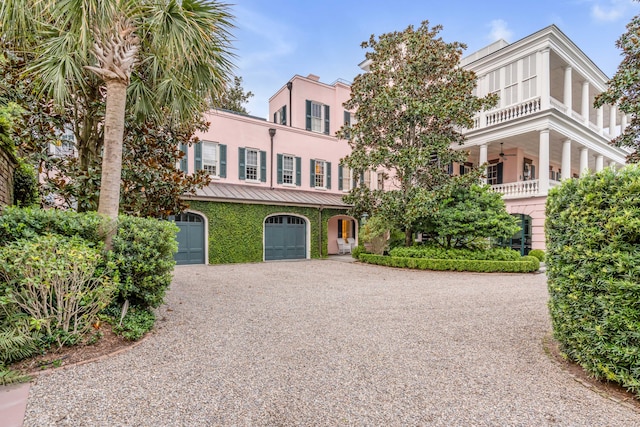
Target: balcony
x,y
522,189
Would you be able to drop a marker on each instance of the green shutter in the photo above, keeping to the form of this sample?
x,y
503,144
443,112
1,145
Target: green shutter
x,y
275,117
308,111
361,178
284,115
340,229
328,164
241,164
279,180
263,166
347,118
312,174
499,173
298,171
223,160
461,169
326,119
340,177
197,156
533,172
184,161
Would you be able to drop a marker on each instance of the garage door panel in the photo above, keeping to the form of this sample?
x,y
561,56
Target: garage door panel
x,y
285,238
190,238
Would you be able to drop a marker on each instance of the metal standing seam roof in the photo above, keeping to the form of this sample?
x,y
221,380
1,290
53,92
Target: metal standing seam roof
x,y
264,195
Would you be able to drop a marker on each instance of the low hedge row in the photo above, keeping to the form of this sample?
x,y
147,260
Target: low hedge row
x,y
435,252
526,264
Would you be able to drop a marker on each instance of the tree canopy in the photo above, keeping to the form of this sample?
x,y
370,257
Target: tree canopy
x,y
410,109
624,89
234,97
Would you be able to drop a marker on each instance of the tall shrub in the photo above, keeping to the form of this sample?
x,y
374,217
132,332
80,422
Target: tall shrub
x,y
593,268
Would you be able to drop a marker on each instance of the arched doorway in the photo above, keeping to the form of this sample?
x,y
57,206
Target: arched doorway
x,y
285,237
191,238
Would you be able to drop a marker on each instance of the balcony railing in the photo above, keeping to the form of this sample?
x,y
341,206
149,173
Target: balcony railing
x,y
521,189
513,112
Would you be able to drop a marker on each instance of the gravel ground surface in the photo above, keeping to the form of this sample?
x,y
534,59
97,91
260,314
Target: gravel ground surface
x,y
323,342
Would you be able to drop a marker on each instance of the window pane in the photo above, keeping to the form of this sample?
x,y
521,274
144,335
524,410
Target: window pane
x,y
252,165
319,174
210,158
316,117
287,169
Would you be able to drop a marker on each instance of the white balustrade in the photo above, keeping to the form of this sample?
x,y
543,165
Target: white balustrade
x,y
521,189
513,112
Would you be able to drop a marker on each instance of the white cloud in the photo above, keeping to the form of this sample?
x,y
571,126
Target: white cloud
x,y
499,30
610,11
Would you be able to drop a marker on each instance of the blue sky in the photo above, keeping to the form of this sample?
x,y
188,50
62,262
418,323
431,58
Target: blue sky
x,y
276,39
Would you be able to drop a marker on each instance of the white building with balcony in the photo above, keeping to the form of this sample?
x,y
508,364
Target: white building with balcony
x,y
545,127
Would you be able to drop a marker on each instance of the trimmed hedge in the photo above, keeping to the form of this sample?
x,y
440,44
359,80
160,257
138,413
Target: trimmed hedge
x,y
593,269
526,264
435,252
538,253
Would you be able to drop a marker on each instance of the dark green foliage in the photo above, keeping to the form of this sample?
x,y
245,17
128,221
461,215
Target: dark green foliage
x,y
360,249
593,268
236,230
538,253
24,223
435,252
525,264
7,376
135,324
25,185
143,248
143,253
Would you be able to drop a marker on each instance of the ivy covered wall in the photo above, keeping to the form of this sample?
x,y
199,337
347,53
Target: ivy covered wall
x,y
236,229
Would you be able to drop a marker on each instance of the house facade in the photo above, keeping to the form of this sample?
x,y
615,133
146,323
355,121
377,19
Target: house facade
x,y
545,128
277,184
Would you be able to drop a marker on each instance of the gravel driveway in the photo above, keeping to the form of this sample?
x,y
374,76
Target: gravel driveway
x,y
323,342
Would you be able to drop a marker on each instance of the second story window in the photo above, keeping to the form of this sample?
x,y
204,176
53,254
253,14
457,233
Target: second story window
x,y
345,179
252,164
494,83
289,169
511,84
280,116
529,89
320,174
212,158
317,117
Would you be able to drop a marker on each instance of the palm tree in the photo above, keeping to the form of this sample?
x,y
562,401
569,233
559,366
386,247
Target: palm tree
x,y
167,57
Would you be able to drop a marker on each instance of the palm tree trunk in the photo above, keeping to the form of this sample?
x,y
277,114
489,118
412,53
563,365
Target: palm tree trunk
x,y
112,157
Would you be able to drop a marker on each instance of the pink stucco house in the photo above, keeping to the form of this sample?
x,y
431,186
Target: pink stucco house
x,y
545,129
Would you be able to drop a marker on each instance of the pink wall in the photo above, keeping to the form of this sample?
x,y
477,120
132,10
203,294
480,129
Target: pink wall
x,y
535,208
236,131
308,88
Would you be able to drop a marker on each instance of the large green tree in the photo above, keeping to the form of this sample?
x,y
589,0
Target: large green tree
x,y
410,108
624,89
234,97
163,57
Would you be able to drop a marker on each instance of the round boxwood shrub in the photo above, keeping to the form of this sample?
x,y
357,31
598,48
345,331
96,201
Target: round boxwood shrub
x,y
593,268
538,253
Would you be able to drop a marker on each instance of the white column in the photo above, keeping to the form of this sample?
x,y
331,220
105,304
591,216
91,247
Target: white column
x,y
599,162
567,90
600,119
612,122
543,165
584,111
566,159
483,158
545,90
584,161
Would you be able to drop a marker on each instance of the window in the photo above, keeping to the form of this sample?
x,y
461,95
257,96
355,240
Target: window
x,y
251,173
211,157
511,84
288,169
345,179
65,146
381,177
280,116
252,164
492,174
320,174
317,117
529,89
494,82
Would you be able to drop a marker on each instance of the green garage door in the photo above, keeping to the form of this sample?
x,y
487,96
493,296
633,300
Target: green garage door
x,y
285,237
190,239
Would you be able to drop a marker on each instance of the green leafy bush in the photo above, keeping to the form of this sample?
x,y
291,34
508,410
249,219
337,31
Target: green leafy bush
x,y
360,249
142,250
525,264
143,253
593,268
437,252
59,283
538,253
25,185
135,324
